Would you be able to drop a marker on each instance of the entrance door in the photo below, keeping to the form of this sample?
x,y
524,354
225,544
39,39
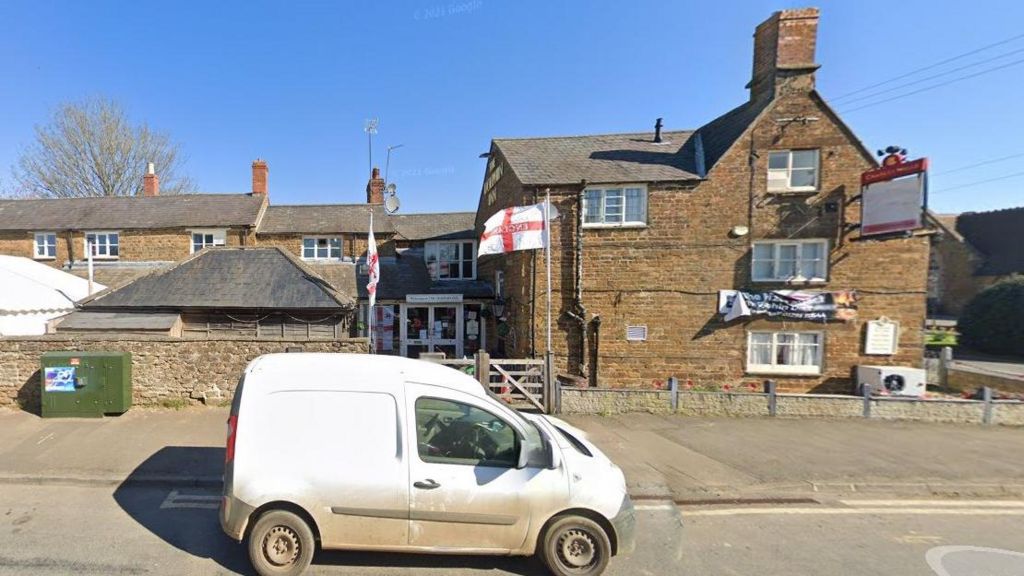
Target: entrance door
x,y
432,328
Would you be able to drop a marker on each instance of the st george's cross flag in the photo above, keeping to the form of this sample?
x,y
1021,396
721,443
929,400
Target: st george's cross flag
x,y
515,228
373,266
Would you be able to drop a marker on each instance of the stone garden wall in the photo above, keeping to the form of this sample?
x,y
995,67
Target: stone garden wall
x,y
164,370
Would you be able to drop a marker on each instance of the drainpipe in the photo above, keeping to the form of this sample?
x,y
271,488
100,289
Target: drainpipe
x,y
596,323
579,312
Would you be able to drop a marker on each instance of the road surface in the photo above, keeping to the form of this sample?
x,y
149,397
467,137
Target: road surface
x,y
97,530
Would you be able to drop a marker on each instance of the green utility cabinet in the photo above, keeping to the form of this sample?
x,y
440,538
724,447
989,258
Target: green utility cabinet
x,y
85,384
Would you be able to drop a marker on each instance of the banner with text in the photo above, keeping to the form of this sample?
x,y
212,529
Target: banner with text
x,y
797,304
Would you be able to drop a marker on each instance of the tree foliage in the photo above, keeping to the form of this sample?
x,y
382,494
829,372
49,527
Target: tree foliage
x,y
993,321
92,149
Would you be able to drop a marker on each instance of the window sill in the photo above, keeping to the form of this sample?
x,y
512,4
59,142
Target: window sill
x,y
44,258
613,226
813,282
794,191
781,371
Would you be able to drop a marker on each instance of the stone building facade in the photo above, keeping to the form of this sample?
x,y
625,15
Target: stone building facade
x,y
636,295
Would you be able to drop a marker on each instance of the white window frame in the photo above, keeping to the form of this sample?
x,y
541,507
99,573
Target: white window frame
x,y
799,243
105,253
786,369
316,248
434,249
787,172
220,238
604,223
35,246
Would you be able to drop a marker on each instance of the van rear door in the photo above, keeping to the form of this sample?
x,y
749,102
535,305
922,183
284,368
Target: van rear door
x,y
464,489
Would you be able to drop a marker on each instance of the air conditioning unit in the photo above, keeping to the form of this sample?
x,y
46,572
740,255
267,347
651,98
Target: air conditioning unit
x,y
892,380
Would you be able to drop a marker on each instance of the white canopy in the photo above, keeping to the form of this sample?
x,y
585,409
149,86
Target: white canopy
x,y
31,293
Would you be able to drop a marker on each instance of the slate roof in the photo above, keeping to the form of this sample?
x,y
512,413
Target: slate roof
x,y
600,158
399,276
446,226
130,212
83,320
324,219
721,133
999,236
227,278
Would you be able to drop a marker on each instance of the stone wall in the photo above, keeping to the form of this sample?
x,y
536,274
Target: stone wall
x,y
619,401
968,379
163,369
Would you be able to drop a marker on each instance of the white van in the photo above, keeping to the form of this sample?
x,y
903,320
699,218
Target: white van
x,y
361,452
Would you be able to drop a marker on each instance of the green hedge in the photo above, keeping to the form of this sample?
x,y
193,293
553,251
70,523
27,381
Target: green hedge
x,y
993,321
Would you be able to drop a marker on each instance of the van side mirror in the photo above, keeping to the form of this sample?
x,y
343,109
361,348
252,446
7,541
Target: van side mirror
x,y
522,457
555,456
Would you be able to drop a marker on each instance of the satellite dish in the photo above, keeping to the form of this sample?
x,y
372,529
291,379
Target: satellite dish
x,y
391,204
390,189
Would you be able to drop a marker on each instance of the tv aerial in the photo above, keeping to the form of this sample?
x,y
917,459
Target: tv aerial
x,y
391,202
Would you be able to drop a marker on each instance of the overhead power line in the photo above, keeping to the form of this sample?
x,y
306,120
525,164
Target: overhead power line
x,y
977,182
934,76
934,86
976,164
929,67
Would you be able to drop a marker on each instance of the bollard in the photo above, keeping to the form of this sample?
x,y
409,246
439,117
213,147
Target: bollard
x,y
986,415
866,389
769,389
945,357
673,390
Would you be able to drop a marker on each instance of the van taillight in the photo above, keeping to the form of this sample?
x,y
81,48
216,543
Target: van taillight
x,y
229,449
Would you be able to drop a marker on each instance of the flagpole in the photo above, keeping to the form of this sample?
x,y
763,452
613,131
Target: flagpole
x,y
370,301
547,257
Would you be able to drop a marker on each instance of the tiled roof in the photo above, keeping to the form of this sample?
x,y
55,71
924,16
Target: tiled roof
x,y
239,278
130,212
999,236
324,219
600,158
399,276
448,226
634,157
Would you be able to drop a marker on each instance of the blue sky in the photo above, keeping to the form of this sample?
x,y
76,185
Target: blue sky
x,y
293,83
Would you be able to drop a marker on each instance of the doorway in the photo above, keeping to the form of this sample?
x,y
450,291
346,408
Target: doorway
x,y
432,328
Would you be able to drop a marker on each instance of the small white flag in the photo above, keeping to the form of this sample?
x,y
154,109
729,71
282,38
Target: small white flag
x,y
373,266
515,228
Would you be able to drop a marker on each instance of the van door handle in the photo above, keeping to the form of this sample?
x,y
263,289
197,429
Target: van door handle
x,y
427,484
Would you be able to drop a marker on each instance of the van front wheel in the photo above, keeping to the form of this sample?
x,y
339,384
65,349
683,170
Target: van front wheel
x,y
575,546
281,544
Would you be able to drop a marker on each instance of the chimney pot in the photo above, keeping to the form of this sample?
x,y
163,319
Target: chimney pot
x,y
260,172
150,182
375,188
657,130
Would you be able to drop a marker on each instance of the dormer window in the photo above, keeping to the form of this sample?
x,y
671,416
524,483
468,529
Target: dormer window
x,y
451,260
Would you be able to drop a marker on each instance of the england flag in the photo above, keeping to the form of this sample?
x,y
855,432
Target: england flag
x,y
373,266
515,228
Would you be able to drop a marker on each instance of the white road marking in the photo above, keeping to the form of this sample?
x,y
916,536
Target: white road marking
x,y
200,501
935,555
892,511
937,503
45,438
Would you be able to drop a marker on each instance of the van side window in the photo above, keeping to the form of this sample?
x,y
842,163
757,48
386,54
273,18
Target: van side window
x,y
449,432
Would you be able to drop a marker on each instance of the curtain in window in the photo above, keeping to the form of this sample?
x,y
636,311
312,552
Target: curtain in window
x,y
760,349
592,206
635,205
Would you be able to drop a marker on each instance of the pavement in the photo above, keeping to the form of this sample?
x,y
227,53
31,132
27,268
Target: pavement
x,y
682,459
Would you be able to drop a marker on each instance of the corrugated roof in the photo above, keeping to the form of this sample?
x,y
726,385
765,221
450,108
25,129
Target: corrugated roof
x,y
632,157
325,219
446,226
130,212
999,236
239,278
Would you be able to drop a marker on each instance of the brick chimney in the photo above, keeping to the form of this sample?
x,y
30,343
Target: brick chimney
x,y
375,188
150,182
259,176
784,53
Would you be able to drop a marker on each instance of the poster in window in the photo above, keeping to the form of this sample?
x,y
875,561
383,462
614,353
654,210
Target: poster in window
x,y
60,378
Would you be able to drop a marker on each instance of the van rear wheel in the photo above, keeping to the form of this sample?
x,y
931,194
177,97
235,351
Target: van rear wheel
x,y
575,546
281,544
